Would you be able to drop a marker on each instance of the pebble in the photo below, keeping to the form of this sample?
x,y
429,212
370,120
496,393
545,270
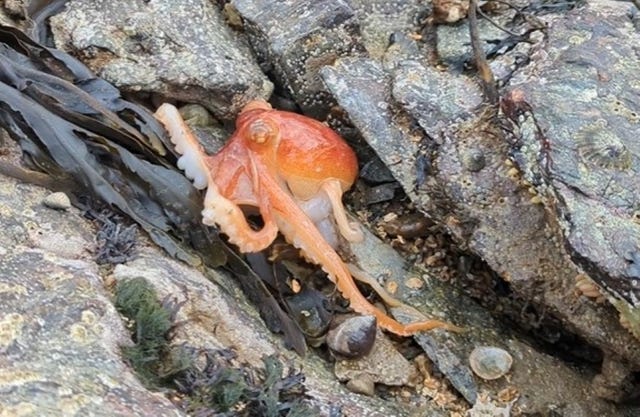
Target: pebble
x,y
57,201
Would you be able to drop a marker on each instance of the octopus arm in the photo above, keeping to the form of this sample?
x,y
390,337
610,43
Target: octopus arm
x,y
302,233
348,230
218,210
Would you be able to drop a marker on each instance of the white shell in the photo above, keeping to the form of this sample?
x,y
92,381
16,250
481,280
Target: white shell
x,y
490,362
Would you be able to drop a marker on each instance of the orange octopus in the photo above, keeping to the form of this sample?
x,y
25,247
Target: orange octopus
x,y
293,169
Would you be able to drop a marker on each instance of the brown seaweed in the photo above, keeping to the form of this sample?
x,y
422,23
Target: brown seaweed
x,y
65,132
77,129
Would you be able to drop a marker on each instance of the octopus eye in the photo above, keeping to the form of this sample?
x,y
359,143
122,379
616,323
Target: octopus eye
x,y
600,147
261,131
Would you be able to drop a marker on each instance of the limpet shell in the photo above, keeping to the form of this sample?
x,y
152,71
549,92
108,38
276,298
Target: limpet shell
x,y
490,362
474,160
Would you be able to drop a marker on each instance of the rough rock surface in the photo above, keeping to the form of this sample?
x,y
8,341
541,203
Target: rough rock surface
x,y
181,50
491,210
586,98
294,39
527,209
60,335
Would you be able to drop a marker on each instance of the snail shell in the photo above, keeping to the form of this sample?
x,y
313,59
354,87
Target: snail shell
x,y
354,337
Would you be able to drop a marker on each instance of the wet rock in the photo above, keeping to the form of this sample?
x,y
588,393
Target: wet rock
x,y
503,227
60,335
376,172
542,381
497,216
294,39
180,50
587,159
362,88
486,408
380,193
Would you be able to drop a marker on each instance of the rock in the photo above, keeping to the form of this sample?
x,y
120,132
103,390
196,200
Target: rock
x,y
181,50
384,364
58,201
294,39
587,166
379,19
362,384
503,227
362,88
60,336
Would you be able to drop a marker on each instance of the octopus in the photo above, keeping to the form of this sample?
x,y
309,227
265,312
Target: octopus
x,y
291,170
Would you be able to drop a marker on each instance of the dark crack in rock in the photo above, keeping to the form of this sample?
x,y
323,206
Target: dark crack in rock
x,y
181,50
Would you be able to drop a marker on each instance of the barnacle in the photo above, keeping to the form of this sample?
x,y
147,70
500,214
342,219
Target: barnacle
x,y
600,147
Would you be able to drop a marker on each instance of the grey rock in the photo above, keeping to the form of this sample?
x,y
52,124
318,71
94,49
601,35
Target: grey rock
x,y
362,88
60,335
379,19
180,50
543,382
384,364
504,227
585,95
294,39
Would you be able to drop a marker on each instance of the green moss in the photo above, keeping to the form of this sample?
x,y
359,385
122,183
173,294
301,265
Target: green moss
x,y
151,356
223,386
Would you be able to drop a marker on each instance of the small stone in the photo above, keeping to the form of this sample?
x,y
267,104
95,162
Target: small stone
x,y
362,384
57,201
